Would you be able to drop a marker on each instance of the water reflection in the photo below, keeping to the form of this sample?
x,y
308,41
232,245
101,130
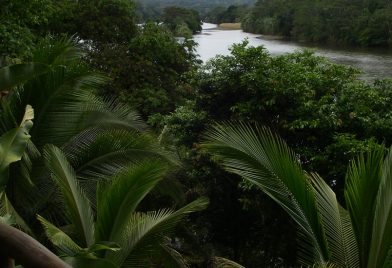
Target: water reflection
x,y
374,64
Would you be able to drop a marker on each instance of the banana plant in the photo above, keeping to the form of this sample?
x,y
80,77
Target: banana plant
x,y
12,147
357,235
115,234
13,144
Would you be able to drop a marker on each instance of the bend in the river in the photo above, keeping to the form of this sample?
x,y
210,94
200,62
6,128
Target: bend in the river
x,y
374,64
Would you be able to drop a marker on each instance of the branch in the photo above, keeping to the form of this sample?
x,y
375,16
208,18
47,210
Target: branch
x,y
26,250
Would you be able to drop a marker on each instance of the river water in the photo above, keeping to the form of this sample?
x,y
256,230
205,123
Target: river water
x,y
373,63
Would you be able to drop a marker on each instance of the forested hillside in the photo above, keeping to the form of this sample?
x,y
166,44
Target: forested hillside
x,y
151,8
361,23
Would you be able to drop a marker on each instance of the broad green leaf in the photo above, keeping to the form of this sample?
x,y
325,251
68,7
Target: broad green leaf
x,y
7,219
13,144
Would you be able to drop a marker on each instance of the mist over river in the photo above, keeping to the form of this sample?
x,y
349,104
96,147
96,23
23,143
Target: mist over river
x,y
374,63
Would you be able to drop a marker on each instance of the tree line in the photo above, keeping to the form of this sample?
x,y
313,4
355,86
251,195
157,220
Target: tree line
x,y
150,8
359,23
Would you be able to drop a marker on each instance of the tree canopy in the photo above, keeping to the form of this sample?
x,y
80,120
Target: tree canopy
x,y
361,23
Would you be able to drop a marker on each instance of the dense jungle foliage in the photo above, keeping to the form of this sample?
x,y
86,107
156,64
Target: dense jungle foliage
x,y
150,9
119,148
231,14
361,23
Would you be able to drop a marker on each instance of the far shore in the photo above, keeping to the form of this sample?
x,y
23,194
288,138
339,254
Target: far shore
x,y
226,26
230,26
272,37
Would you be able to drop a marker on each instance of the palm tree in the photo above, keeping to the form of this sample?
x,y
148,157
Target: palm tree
x,y
99,137
116,235
359,235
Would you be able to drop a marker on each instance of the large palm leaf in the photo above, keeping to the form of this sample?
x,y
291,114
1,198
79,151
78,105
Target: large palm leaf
x,y
118,199
66,107
369,201
77,206
266,161
140,235
357,237
138,239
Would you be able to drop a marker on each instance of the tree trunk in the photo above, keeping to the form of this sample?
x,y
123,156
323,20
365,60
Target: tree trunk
x,y
15,244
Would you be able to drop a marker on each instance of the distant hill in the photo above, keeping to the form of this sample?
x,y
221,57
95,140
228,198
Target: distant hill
x,y
152,8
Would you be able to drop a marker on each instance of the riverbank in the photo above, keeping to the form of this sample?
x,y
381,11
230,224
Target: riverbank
x,y
213,41
230,26
272,37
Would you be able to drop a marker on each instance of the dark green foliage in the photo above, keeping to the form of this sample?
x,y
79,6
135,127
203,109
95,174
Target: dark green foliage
x,y
329,234
362,23
147,73
314,104
320,108
174,16
231,14
144,64
96,21
21,23
151,7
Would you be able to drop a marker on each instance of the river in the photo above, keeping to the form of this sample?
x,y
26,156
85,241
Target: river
x,y
373,63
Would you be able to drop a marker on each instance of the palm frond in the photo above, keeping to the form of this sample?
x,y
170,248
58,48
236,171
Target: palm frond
x,y
351,250
56,52
96,152
14,75
62,107
362,186
139,240
326,265
381,237
59,239
111,113
219,262
337,226
265,160
77,205
7,209
118,199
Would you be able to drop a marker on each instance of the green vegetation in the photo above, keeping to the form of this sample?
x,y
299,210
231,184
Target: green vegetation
x,y
175,17
232,14
103,151
326,115
151,8
328,233
361,23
